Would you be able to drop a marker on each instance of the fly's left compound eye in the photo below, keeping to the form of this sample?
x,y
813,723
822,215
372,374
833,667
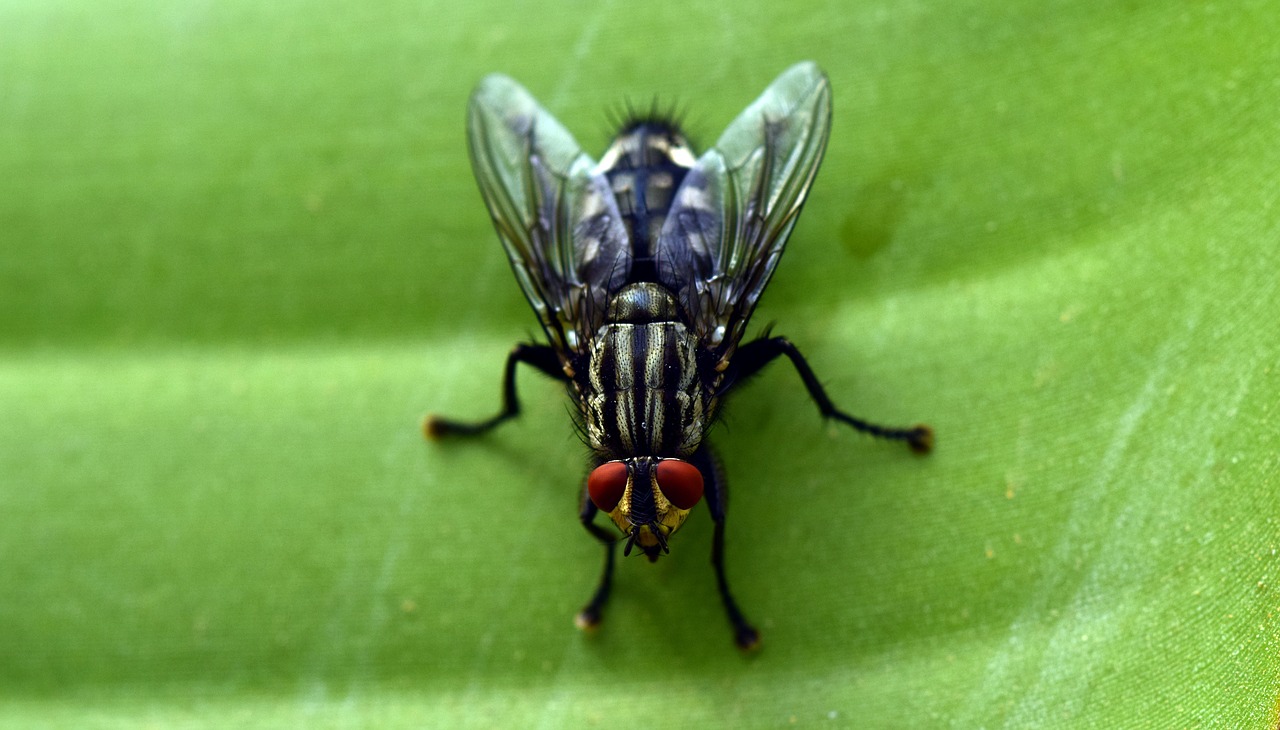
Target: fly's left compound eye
x,y
680,482
606,484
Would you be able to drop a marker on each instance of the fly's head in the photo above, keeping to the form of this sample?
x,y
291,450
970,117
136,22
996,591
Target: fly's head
x,y
647,497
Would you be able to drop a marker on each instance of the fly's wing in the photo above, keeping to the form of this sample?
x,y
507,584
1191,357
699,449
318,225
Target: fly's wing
x,y
731,217
558,220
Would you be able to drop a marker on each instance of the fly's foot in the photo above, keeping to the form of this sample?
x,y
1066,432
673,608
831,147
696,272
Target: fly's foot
x,y
746,637
434,428
588,619
921,439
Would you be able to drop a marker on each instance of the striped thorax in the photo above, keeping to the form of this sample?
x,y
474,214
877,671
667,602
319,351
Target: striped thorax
x,y
644,396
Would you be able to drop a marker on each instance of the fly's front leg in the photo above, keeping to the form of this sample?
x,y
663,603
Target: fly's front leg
x,y
753,356
542,357
717,497
589,617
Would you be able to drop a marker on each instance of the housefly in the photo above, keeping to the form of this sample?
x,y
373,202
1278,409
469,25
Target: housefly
x,y
644,269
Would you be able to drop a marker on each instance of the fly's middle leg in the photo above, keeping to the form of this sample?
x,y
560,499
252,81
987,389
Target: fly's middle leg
x,y
754,355
542,357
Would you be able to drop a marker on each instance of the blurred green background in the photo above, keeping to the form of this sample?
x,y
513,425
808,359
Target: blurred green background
x,y
241,254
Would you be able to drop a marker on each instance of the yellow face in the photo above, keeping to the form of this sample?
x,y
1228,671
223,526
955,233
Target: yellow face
x,y
647,497
646,534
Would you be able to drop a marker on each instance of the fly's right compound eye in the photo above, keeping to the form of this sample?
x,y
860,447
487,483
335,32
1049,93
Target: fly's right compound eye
x,y
606,484
680,482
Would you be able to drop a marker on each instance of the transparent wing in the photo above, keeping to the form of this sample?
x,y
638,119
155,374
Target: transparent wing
x,y
731,217
558,220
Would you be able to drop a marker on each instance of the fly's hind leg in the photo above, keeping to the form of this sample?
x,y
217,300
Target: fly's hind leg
x,y
754,355
716,494
542,357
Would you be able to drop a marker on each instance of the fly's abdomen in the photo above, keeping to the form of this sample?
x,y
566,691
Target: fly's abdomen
x,y
644,397
644,166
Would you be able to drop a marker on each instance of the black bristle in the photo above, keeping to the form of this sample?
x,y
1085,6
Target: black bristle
x,y
628,116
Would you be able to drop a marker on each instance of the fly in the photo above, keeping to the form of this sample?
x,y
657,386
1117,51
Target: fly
x,y
644,269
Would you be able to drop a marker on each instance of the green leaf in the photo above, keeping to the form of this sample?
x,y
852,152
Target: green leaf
x,y
242,254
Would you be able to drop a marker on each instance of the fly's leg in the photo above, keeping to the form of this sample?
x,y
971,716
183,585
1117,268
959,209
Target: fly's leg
x,y
589,617
542,357
754,355
716,495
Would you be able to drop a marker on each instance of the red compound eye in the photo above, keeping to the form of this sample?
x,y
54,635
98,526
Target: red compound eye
x,y
606,483
680,482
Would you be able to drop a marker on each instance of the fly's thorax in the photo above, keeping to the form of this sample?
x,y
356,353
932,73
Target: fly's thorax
x,y
643,303
648,498
643,394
